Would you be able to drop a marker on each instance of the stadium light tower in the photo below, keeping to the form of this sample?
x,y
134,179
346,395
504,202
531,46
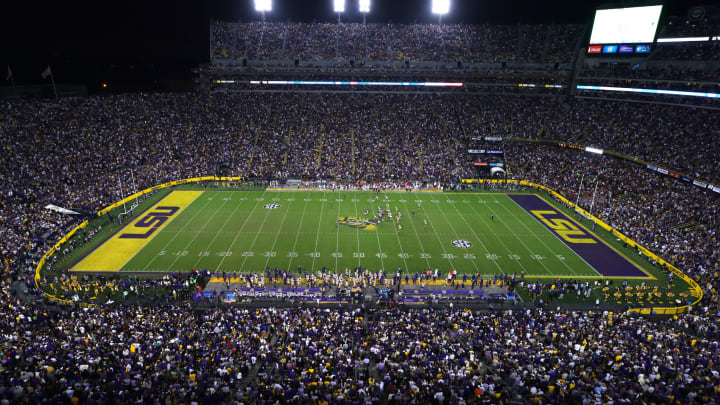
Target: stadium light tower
x,y
364,8
440,7
263,5
339,6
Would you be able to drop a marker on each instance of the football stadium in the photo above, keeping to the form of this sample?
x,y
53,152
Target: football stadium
x,y
416,201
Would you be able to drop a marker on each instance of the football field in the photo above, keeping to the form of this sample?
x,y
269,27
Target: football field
x,y
245,231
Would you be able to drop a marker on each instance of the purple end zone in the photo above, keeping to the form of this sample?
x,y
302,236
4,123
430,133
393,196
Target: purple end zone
x,y
600,256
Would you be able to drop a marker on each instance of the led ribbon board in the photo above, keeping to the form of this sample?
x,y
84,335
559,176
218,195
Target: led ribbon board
x,y
329,83
650,91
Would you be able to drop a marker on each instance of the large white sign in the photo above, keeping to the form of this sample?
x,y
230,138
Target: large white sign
x,y
625,25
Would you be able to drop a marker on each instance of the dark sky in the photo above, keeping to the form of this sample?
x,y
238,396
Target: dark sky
x,y
167,37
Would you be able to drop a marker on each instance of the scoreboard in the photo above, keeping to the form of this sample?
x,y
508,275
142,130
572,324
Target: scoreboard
x,y
624,31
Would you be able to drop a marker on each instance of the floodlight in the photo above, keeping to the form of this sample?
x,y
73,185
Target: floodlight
x,y
339,6
440,6
364,6
263,5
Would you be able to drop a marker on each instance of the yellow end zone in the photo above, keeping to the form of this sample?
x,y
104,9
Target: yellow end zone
x,y
118,250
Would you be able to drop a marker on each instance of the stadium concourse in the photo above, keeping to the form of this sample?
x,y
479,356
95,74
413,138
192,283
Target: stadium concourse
x,y
72,152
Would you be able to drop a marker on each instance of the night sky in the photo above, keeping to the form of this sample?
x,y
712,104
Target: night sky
x,y
86,42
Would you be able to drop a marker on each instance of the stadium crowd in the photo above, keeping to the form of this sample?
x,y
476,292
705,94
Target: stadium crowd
x,y
349,137
133,354
386,42
78,152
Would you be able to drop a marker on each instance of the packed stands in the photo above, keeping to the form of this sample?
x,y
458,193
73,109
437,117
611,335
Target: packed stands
x,y
233,355
73,151
278,136
384,42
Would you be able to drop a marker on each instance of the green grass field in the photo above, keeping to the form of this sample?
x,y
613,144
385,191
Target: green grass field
x,y
234,232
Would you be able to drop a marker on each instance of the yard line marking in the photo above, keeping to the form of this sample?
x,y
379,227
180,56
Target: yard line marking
x,y
458,236
380,255
215,212
237,235
317,237
416,234
178,232
337,238
277,234
357,231
482,218
257,235
218,233
476,237
297,235
397,235
442,245
544,244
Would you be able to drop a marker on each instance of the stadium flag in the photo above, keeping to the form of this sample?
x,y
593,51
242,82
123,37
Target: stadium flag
x,y
48,72
61,210
11,78
45,73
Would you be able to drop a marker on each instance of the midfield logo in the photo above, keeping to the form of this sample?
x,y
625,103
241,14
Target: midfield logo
x,y
357,223
461,243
